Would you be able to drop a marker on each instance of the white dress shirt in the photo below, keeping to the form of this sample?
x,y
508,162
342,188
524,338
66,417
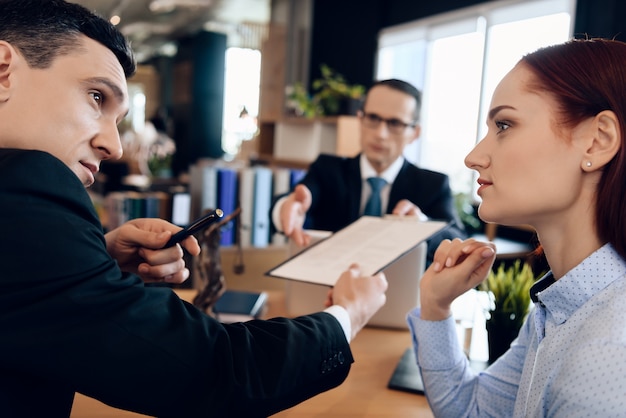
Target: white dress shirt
x,y
389,175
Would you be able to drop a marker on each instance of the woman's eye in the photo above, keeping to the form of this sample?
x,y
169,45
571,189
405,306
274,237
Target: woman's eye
x,y
502,125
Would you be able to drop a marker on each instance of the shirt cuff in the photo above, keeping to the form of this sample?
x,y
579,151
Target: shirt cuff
x,y
340,313
436,342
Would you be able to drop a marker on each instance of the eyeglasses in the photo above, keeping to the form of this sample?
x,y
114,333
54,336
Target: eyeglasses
x,y
395,126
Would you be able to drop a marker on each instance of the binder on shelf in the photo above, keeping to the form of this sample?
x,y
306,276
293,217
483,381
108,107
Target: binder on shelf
x,y
246,203
227,201
181,206
297,174
282,185
262,203
203,187
123,206
156,205
239,306
117,212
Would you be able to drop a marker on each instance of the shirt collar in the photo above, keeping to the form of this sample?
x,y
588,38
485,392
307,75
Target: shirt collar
x,y
389,174
540,285
564,296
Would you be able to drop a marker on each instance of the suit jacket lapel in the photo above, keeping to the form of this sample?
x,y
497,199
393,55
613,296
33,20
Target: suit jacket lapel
x,y
399,187
353,182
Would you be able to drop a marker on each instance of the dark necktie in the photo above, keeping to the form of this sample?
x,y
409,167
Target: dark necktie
x,y
373,207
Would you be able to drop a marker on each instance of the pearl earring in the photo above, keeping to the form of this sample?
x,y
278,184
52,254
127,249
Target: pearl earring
x,y
588,163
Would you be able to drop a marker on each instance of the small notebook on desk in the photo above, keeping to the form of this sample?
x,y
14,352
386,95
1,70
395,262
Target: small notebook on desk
x,y
239,306
406,376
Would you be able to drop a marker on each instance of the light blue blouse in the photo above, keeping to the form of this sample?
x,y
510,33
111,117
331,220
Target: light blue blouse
x,y
569,359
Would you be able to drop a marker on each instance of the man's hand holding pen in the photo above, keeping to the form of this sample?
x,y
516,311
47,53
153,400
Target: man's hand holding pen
x,y
137,246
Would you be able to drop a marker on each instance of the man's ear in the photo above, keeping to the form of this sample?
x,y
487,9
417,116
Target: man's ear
x,y
6,60
417,130
605,141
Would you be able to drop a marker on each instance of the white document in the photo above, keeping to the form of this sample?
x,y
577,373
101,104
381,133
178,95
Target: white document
x,y
372,242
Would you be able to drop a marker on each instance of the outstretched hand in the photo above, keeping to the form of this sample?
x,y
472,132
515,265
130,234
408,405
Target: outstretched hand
x,y
457,267
138,244
407,208
293,213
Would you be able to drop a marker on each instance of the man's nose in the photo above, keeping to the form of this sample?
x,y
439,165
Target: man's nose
x,y
109,144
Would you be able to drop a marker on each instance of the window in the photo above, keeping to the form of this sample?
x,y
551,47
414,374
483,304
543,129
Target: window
x,y
241,97
457,59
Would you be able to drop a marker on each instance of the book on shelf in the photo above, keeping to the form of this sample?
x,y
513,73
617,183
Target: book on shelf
x,y
227,187
240,306
297,174
122,206
246,203
224,185
262,203
282,185
202,187
181,207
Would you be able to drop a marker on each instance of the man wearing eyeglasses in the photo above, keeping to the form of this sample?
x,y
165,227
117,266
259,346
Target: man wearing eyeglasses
x,y
337,190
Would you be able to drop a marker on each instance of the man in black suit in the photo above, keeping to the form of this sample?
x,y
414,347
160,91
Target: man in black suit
x,y
335,190
73,316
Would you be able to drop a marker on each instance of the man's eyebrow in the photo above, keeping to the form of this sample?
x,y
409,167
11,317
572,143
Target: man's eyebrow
x,y
117,92
495,110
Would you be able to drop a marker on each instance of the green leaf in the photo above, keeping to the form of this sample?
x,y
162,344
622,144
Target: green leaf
x,y
510,288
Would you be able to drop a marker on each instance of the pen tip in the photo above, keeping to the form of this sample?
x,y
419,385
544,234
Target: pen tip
x,y
219,212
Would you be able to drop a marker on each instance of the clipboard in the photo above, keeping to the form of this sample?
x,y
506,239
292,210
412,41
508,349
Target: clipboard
x,y
372,242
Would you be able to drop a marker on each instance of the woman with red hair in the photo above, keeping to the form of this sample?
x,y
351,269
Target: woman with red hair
x,y
553,158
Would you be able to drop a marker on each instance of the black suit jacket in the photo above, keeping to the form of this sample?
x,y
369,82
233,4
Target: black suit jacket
x,y
335,184
71,321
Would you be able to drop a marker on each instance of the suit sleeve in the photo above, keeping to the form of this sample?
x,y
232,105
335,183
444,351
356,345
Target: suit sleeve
x,y
442,207
70,317
431,192
313,182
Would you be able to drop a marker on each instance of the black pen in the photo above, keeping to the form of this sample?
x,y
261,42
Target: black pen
x,y
196,226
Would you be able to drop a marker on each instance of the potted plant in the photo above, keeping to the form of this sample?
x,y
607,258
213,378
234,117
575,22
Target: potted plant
x,y
332,96
335,95
300,103
509,302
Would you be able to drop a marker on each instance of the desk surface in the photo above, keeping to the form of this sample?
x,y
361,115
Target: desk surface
x,y
363,394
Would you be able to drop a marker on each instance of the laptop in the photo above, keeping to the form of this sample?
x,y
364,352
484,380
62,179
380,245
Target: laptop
x,y
403,277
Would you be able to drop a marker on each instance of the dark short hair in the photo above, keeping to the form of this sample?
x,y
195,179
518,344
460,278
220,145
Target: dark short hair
x,y
586,77
41,30
404,87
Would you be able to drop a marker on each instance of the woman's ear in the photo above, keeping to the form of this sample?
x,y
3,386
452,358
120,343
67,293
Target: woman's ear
x,y
605,141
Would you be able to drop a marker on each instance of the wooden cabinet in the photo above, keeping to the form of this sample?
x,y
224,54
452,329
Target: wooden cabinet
x,y
298,141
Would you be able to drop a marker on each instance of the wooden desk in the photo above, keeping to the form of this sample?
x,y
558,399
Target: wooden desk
x,y
363,394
